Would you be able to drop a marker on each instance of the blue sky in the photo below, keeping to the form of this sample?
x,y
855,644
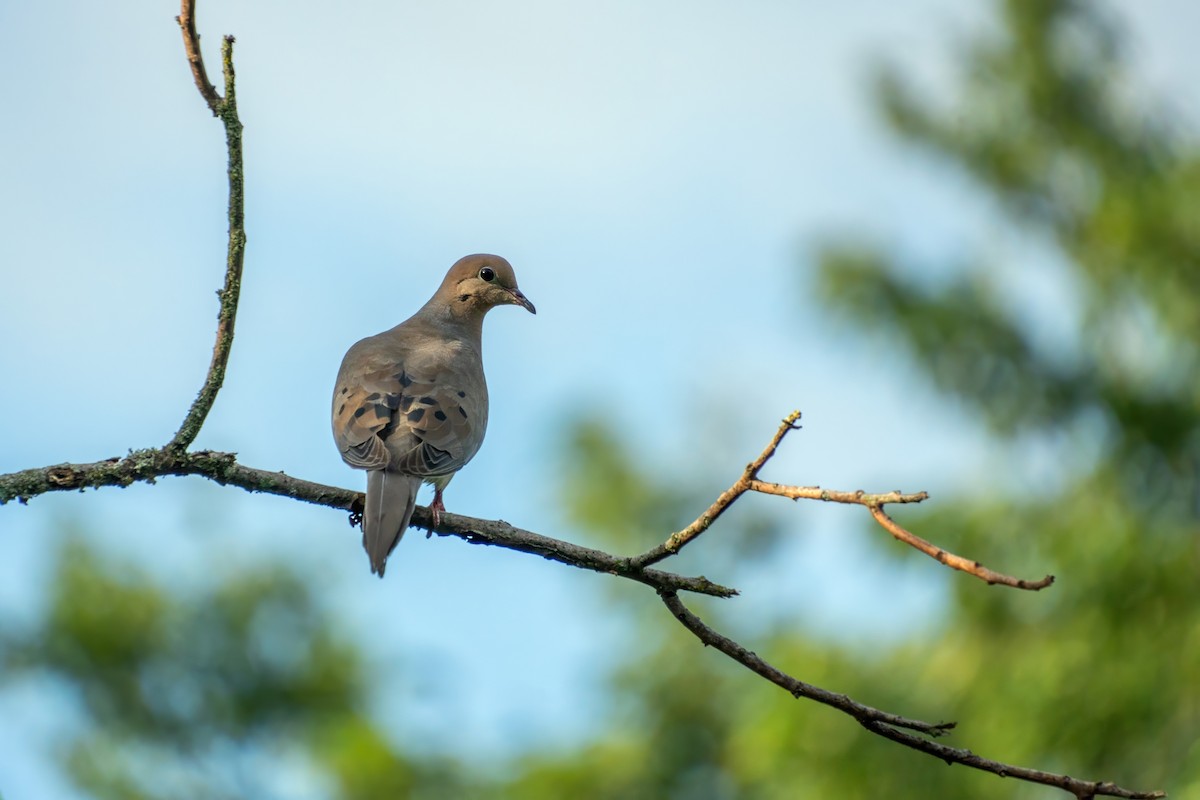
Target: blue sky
x,y
658,175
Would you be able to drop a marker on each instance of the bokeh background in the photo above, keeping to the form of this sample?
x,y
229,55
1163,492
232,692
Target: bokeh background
x,y
961,238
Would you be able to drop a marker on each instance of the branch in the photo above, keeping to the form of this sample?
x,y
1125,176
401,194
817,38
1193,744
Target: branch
x,y
749,482
875,504
226,110
888,725
148,465
951,560
676,541
795,687
191,46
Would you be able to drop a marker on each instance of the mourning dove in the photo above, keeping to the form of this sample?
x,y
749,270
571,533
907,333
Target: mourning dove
x,y
410,404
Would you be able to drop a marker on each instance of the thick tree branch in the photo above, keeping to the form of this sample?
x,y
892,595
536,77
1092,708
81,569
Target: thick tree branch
x,y
888,725
226,110
148,465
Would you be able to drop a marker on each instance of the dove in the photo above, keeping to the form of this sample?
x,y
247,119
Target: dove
x,y
410,404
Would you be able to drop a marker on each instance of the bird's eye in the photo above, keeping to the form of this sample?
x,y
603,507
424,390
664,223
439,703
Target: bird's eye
x,y
487,274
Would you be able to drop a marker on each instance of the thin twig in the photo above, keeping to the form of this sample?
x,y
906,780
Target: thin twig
x,y
226,110
676,541
953,755
857,498
749,482
888,725
875,503
950,559
148,465
191,46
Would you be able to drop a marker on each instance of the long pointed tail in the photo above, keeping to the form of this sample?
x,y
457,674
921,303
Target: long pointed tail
x,y
390,501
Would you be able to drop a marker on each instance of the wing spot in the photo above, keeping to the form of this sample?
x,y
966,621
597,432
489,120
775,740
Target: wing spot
x,y
440,415
428,401
464,413
415,416
462,394
358,412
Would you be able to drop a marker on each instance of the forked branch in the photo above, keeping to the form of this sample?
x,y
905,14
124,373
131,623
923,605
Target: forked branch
x,y
749,482
224,108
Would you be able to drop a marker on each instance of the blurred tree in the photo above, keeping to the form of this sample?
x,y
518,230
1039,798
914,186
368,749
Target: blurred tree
x,y
1097,676
236,691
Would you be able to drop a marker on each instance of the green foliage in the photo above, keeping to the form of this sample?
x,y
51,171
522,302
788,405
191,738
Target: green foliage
x,y
1048,125
208,694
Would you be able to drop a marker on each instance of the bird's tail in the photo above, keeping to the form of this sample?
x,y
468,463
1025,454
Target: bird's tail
x,y
391,498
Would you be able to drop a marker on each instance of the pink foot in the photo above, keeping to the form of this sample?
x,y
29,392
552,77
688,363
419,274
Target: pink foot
x,y
436,507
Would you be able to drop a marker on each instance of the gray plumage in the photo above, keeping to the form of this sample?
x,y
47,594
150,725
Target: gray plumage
x,y
410,404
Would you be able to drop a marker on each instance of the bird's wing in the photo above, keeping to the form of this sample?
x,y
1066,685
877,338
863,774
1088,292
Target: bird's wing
x,y
419,425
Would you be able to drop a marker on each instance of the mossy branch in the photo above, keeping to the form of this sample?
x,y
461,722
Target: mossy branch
x,y
225,109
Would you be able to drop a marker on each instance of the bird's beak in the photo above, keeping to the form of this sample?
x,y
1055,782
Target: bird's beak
x,y
521,300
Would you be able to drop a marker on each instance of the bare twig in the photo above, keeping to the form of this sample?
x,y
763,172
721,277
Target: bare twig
x,y
875,504
949,559
191,46
888,725
857,498
749,482
676,541
226,110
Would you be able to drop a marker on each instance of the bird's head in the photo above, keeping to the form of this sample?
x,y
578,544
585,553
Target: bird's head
x,y
481,281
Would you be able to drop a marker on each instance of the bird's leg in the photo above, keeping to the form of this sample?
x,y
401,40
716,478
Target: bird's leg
x,y
437,507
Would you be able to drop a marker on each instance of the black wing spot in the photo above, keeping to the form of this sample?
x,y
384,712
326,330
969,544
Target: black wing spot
x,y
358,412
415,416
428,401
341,408
405,381
464,413
372,397
462,394
440,415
